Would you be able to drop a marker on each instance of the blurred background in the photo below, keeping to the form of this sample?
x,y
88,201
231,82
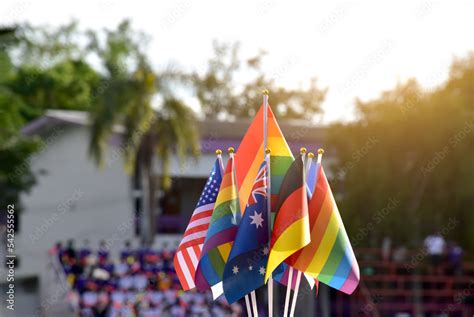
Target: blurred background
x,y
110,114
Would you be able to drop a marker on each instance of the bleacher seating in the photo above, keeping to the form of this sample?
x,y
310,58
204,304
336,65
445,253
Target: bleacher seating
x,y
139,282
388,288
142,282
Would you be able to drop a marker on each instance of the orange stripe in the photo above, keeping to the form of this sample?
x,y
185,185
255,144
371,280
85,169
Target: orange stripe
x,y
249,147
226,182
248,182
273,129
317,232
316,202
227,178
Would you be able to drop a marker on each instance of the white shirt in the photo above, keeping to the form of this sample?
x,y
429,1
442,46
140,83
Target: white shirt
x,y
435,245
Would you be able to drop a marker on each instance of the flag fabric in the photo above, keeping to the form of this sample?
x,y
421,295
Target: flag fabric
x,y
221,233
189,251
250,152
291,227
329,257
311,178
283,276
245,268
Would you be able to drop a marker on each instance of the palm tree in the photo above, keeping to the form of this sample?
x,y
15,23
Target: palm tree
x,y
149,134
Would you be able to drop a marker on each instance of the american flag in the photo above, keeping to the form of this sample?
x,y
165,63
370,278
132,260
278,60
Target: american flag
x,y
189,251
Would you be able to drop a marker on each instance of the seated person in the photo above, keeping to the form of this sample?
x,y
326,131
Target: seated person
x,y
103,252
127,254
84,253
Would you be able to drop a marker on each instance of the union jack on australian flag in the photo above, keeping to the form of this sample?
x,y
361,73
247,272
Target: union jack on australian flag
x,y
245,269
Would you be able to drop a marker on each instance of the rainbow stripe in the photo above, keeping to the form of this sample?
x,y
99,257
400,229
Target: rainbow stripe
x,y
221,233
329,257
250,154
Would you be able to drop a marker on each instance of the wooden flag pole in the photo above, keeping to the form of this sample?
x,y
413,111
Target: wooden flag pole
x,y
298,276
247,304
269,219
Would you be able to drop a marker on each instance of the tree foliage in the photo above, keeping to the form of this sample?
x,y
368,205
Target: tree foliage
x,y
15,150
406,165
151,131
230,88
52,71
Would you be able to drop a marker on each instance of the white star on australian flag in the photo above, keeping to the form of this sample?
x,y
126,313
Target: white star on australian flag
x,y
257,219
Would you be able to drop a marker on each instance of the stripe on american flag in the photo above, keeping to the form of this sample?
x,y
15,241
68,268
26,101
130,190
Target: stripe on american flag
x,y
189,251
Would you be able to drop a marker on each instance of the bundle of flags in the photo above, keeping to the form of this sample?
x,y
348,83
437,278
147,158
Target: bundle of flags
x,y
264,215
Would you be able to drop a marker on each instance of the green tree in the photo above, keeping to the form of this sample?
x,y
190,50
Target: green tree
x,y
15,150
125,98
40,68
222,95
414,148
52,69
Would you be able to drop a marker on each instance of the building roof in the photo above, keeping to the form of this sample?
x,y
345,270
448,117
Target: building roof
x,y
52,118
214,133
294,130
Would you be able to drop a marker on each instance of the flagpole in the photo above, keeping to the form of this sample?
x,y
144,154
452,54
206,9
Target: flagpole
x,y
253,297
265,119
266,156
219,157
298,276
247,303
295,294
290,274
217,289
288,289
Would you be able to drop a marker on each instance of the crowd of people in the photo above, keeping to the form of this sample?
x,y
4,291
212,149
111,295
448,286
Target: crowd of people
x,y
139,282
442,257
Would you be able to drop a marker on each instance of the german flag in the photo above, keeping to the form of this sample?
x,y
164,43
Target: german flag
x,y
291,228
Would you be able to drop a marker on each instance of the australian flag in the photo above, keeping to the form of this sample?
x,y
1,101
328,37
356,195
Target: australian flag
x,y
245,268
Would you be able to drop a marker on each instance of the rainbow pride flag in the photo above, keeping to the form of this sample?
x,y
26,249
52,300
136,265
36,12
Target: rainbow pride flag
x,y
221,232
250,154
329,256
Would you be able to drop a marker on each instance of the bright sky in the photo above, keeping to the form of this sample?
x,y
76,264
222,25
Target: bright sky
x,y
354,49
